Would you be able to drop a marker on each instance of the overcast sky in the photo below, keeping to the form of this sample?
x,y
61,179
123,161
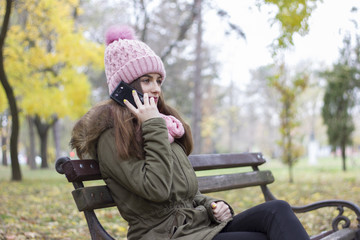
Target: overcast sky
x,y
320,46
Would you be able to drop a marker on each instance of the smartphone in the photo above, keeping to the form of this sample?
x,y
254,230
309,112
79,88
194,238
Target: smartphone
x,y
124,91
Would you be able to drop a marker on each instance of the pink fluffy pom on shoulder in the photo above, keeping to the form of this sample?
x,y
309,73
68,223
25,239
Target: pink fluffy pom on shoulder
x,y
115,33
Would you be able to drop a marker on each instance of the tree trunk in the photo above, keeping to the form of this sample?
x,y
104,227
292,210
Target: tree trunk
x,y
43,149
4,136
291,174
56,134
15,166
231,118
31,150
43,130
4,149
197,102
343,156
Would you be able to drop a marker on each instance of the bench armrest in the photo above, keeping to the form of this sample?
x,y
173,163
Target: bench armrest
x,y
339,204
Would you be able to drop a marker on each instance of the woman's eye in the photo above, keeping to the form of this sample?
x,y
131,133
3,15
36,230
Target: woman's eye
x,y
145,80
159,81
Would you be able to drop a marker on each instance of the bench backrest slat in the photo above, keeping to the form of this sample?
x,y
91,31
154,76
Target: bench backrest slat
x,y
232,181
230,160
88,169
94,197
82,170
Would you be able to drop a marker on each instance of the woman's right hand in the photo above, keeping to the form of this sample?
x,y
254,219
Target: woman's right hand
x,y
221,211
143,111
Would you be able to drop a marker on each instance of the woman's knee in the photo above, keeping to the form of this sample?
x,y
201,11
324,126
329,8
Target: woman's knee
x,y
280,206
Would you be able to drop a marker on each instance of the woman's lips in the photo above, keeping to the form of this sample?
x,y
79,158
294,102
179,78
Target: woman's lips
x,y
155,99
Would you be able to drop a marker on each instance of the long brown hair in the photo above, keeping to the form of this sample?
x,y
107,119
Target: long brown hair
x,y
127,130
105,115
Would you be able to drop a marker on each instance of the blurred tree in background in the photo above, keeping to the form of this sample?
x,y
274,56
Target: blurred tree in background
x,y
343,84
46,58
15,125
289,88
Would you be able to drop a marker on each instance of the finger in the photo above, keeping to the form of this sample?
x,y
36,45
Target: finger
x,y
224,216
152,101
218,213
213,205
216,208
221,206
146,99
221,213
221,209
131,107
137,99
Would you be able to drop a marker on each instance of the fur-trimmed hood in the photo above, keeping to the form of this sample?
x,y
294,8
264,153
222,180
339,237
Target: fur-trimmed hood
x,y
87,130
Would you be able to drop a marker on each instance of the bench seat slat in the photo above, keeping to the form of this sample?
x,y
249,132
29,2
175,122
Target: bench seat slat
x,y
96,197
343,234
231,181
230,160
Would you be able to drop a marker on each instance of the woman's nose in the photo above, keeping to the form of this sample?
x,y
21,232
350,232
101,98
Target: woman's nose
x,y
156,88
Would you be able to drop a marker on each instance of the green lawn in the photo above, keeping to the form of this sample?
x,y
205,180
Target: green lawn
x,y
41,206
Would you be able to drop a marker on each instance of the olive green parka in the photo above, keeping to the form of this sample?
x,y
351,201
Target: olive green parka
x,y
158,196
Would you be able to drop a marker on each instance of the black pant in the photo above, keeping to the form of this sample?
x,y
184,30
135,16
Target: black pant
x,y
272,220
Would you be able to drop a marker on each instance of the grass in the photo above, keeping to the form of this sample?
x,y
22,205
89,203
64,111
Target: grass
x,y
41,206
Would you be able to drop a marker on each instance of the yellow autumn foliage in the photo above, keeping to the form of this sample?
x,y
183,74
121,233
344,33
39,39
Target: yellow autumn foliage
x,y
3,100
46,56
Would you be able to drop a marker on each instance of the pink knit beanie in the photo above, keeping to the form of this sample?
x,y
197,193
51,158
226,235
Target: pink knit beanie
x,y
127,59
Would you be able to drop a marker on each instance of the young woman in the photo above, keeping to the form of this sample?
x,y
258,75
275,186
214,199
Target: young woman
x,y
142,152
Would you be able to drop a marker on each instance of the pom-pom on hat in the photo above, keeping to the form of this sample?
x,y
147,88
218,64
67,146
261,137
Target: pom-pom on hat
x,y
127,59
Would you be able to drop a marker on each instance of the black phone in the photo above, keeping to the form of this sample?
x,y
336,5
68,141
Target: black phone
x,y
124,91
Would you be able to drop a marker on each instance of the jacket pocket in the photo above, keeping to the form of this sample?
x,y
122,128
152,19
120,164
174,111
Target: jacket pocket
x,y
179,220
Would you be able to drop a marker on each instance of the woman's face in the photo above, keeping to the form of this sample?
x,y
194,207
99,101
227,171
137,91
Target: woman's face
x,y
151,84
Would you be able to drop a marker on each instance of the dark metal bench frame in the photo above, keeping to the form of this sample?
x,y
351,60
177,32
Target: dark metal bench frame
x,y
90,198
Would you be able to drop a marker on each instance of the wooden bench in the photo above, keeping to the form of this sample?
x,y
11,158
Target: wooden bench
x,y
90,198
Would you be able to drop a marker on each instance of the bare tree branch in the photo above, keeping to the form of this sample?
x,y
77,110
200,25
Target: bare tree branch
x,y
233,27
184,27
146,21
